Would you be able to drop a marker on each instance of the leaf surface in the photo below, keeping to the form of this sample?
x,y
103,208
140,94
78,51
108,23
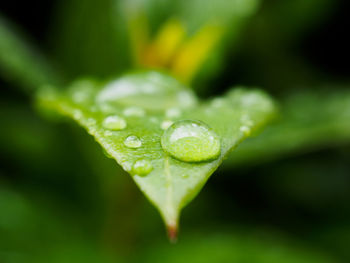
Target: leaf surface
x,y
171,184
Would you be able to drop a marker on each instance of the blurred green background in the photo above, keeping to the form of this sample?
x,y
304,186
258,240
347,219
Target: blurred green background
x,y
280,197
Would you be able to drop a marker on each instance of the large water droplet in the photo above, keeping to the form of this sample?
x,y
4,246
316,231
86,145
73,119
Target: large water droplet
x,y
132,141
142,167
191,141
114,123
150,90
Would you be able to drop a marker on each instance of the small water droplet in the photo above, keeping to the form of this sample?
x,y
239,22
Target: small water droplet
x,y
218,102
245,129
134,112
191,141
246,120
166,124
77,114
142,167
173,113
132,141
127,166
82,90
114,122
108,133
154,120
90,121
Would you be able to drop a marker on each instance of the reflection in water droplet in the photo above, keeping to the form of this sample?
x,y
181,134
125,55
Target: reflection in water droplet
x,y
191,141
134,112
132,141
166,124
142,167
114,122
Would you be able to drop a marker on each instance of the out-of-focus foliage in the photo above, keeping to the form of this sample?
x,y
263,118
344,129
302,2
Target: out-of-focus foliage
x,y
308,121
20,62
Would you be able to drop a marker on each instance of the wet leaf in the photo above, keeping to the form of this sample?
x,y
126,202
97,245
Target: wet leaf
x,y
128,117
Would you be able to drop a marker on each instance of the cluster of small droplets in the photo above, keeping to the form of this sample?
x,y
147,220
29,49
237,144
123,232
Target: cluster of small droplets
x,y
247,124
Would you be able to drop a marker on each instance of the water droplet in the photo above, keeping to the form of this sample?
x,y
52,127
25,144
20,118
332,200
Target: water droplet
x,y
218,102
132,141
150,90
154,120
166,124
173,113
247,121
127,166
245,129
114,122
108,133
82,91
77,114
191,141
142,167
134,112
90,121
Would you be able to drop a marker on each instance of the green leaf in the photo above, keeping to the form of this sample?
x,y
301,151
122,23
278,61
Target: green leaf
x,y
143,105
20,62
309,121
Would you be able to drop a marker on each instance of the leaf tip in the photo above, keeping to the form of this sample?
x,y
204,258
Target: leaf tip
x,y
172,233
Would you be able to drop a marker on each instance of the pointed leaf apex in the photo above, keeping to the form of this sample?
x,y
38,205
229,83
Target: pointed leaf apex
x,y
172,233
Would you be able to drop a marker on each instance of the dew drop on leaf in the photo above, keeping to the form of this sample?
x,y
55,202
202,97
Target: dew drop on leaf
x,y
245,129
134,111
142,167
149,90
90,121
166,124
114,122
191,141
173,113
132,141
108,133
